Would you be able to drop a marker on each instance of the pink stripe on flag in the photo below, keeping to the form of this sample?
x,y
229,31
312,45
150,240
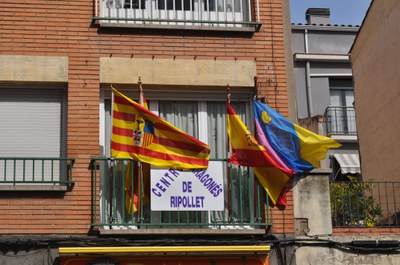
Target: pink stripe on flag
x,y
262,140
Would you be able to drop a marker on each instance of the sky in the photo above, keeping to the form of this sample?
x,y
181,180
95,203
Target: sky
x,y
343,12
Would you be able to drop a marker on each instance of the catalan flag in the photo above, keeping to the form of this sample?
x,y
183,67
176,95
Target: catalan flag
x,y
141,135
268,167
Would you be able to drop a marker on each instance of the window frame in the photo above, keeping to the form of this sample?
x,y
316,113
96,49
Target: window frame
x,y
38,171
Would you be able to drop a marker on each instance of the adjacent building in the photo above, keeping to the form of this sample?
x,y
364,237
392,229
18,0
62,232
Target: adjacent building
x,y
324,86
362,214
374,59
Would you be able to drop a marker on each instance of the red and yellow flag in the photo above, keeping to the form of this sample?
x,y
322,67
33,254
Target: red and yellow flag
x,y
139,134
132,185
133,179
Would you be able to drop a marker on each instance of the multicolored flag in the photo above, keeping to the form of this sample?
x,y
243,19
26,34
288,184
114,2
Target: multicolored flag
x,y
268,167
141,135
301,150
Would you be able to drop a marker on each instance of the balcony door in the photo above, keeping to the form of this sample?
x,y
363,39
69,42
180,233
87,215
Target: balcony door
x,y
341,107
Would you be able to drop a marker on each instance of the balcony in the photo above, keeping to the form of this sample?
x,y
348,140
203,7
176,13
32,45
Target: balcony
x,y
191,14
35,173
340,121
365,204
245,205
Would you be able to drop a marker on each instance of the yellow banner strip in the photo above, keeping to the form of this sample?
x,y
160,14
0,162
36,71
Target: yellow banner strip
x,y
161,249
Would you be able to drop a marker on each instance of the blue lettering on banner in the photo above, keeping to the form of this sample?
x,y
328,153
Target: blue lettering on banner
x,y
156,192
213,187
165,182
187,186
185,202
189,197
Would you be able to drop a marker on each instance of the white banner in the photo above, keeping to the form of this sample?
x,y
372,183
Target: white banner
x,y
191,190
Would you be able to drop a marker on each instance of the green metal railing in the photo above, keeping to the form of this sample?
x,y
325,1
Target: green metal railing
x,y
36,170
246,203
365,203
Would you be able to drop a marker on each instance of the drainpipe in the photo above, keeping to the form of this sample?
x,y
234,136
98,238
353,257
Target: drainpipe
x,y
308,79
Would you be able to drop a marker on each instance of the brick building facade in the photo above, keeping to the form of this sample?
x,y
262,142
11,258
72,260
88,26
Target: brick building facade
x,y
67,46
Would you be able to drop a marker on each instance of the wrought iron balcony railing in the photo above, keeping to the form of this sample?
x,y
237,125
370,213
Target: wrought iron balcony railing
x,y
192,13
36,170
245,202
365,204
340,120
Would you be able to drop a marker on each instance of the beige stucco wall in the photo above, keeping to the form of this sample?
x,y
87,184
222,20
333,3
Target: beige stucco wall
x,y
290,83
178,72
311,203
21,68
306,255
375,57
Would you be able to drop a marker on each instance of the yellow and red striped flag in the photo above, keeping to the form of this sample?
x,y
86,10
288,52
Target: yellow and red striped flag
x,y
132,191
139,134
133,172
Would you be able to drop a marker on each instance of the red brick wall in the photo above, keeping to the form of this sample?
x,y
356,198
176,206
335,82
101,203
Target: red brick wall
x,y
63,28
366,231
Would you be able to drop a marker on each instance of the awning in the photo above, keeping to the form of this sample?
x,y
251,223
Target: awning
x,y
349,163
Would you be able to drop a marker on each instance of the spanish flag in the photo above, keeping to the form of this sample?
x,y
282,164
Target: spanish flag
x,y
139,134
268,167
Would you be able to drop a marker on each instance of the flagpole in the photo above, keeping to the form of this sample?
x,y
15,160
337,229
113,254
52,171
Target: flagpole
x,y
111,158
140,91
256,86
228,98
228,170
139,164
112,115
255,184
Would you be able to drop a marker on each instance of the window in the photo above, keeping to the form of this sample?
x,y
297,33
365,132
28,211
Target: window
x,y
341,109
182,114
33,127
203,118
187,5
170,12
341,92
